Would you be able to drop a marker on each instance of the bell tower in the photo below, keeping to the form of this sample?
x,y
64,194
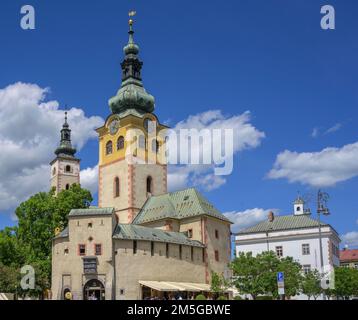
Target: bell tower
x,y
65,168
130,143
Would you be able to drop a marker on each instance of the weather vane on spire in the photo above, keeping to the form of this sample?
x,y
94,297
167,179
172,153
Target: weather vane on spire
x,y
131,14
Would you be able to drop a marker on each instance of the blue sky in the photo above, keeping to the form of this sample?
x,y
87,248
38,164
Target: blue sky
x,y
267,56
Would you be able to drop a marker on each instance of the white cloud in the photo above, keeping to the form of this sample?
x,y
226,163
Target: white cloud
x,y
29,133
350,238
89,179
247,218
318,169
334,128
315,132
245,135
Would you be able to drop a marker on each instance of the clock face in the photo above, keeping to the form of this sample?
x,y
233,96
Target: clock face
x,y
114,126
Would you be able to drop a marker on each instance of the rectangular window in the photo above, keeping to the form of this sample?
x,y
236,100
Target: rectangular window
x,y
216,255
82,249
192,253
203,252
167,250
190,233
217,234
98,249
279,251
180,252
152,248
306,249
134,247
306,268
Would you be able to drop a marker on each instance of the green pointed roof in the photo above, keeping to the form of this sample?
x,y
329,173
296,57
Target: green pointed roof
x,y
132,94
177,205
65,149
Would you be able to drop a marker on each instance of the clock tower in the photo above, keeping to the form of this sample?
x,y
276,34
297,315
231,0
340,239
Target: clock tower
x,y
65,168
130,146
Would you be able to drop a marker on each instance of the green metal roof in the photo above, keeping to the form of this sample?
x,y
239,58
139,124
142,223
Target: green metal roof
x,y
135,232
177,205
279,223
91,211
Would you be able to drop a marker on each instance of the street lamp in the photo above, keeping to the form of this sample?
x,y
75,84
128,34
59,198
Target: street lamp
x,y
322,198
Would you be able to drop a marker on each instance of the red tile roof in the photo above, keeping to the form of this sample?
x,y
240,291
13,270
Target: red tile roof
x,y
348,255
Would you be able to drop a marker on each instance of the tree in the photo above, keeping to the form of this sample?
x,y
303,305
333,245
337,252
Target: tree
x,y
218,284
293,275
9,279
346,282
247,272
311,284
258,275
31,241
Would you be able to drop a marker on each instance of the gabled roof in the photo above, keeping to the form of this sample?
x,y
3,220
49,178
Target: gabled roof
x,y
281,223
348,255
91,211
135,232
177,205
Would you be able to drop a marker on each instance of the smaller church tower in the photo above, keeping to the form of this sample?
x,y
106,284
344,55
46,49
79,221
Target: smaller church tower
x,y
65,168
299,207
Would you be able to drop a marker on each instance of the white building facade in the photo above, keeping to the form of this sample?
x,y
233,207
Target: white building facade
x,y
296,236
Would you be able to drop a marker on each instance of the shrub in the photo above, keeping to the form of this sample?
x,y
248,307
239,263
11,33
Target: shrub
x,y
264,298
221,298
237,298
200,297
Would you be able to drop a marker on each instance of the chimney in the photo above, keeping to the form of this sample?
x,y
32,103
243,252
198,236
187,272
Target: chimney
x,y
271,216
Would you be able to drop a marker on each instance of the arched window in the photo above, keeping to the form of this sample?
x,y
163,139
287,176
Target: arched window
x,y
116,187
109,147
54,171
155,145
68,168
67,186
120,143
149,184
142,142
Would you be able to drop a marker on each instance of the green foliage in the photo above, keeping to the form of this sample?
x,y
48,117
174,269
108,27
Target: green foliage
x,y
264,298
311,284
9,278
200,297
237,298
218,283
257,275
31,241
346,282
221,298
